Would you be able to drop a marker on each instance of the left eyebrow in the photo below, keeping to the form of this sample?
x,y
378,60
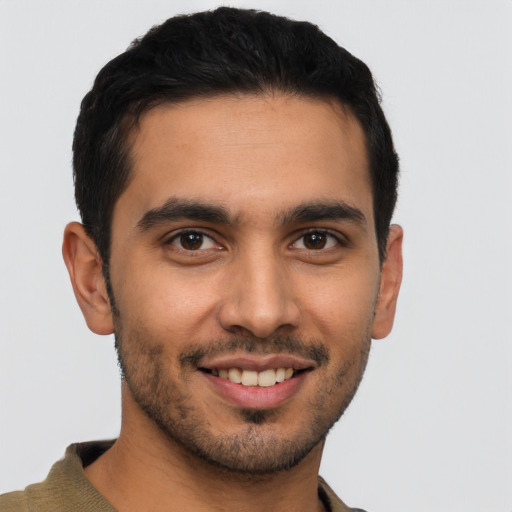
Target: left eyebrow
x,y
324,210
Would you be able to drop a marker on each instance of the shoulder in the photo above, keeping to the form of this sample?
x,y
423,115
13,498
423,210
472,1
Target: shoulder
x,y
14,502
35,498
40,497
65,488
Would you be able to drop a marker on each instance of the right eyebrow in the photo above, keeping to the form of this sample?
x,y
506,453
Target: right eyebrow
x,y
177,209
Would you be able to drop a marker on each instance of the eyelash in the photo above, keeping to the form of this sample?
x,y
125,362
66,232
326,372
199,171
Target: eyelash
x,y
340,240
185,232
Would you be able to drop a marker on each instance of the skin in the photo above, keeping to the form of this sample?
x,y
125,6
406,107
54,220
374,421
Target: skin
x,y
258,284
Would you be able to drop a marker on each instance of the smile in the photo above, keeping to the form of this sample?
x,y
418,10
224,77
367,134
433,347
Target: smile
x,y
256,381
253,378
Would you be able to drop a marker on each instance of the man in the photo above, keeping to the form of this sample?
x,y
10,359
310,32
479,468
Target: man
x,y
236,179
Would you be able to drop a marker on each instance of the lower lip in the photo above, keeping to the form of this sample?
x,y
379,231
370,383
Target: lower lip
x,y
255,397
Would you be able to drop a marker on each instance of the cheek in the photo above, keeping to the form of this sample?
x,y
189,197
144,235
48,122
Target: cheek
x,y
342,310
163,302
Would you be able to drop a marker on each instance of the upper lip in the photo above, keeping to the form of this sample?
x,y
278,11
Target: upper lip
x,y
257,362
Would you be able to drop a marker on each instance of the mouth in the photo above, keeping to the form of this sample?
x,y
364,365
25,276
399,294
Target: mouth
x,y
255,378
250,381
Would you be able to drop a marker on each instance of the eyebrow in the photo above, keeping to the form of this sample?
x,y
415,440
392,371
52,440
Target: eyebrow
x,y
178,209
324,210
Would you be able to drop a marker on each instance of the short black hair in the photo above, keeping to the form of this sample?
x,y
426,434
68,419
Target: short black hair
x,y
210,53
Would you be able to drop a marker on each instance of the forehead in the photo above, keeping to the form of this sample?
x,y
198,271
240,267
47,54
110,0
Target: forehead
x,y
248,152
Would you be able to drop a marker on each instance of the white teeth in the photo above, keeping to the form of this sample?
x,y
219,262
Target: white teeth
x,y
264,379
235,375
249,378
267,378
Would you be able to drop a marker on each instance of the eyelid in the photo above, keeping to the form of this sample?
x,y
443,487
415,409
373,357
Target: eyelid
x,y
169,238
340,238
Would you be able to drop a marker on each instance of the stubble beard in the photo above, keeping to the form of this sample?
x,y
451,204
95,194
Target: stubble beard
x,y
257,448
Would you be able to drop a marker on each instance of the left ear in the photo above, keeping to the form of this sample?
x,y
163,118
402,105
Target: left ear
x,y
390,279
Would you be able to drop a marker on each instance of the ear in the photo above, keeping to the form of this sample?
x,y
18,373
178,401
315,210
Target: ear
x,y
85,271
391,277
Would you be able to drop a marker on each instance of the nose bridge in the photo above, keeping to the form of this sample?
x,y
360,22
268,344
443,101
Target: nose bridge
x,y
259,295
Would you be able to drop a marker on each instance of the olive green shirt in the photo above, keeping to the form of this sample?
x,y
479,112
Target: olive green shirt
x,y
67,489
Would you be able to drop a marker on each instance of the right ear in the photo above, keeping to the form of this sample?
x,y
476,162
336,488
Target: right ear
x,y
84,265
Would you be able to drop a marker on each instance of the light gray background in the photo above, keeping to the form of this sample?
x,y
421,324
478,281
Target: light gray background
x,y
431,427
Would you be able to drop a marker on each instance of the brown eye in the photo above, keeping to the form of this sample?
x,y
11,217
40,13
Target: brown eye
x,y
315,240
191,241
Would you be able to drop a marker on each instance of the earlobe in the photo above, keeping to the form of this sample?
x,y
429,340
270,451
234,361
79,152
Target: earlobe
x,y
391,278
85,271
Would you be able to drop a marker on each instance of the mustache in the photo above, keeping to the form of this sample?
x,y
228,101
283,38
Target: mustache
x,y
311,349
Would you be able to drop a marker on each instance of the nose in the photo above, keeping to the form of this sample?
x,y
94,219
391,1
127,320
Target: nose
x,y
259,298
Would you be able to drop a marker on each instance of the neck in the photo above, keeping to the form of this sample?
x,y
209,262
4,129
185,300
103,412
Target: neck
x,y
145,470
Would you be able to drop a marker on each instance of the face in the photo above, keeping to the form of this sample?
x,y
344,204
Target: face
x,y
245,273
